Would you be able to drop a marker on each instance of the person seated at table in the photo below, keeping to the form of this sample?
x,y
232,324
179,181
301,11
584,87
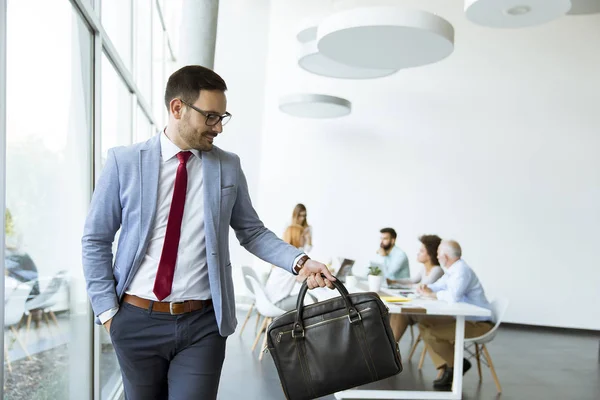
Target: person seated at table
x,y
390,258
429,272
458,285
280,282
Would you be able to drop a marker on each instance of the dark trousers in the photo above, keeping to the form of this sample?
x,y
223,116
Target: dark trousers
x,y
164,356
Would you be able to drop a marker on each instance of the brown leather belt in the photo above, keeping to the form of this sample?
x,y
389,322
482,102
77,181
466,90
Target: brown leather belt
x,y
174,308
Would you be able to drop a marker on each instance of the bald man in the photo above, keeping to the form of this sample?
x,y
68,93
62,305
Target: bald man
x,y
458,285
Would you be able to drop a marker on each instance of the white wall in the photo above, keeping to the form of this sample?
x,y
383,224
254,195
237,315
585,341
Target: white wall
x,y
495,146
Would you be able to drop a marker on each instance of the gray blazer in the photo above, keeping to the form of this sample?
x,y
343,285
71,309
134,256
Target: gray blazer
x,y
125,198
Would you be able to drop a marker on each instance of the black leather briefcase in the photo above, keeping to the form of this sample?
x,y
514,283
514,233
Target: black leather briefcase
x,y
333,345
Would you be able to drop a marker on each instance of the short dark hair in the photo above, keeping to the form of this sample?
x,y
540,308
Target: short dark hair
x,y
391,231
431,243
187,82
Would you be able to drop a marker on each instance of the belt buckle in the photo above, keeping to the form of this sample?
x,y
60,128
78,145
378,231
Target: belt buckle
x,y
171,307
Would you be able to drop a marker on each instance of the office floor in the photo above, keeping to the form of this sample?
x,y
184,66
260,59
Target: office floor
x,y
531,363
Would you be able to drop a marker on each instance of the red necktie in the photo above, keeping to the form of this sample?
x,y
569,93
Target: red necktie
x,y
168,257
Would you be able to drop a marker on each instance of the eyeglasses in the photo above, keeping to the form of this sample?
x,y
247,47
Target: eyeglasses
x,y
212,119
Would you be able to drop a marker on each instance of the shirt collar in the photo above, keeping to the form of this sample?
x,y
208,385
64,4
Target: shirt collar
x,y
454,267
169,149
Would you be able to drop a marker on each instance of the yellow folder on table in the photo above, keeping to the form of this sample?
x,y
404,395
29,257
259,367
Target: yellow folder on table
x,y
395,299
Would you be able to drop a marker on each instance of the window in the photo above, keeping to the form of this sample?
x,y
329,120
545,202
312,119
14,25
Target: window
x,y
116,121
143,43
144,129
158,69
116,21
49,130
116,109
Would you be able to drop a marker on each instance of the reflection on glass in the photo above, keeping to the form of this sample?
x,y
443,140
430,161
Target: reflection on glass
x,y
47,324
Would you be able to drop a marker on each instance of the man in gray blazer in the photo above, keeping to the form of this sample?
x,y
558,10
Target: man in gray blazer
x,y
167,301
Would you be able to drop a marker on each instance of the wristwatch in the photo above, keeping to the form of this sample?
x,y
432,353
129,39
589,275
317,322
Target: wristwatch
x,y
300,263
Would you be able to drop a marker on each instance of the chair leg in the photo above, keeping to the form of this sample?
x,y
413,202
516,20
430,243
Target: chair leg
x,y
47,320
262,327
28,326
414,347
20,322
6,357
422,360
492,369
247,318
262,353
14,331
258,320
53,316
412,334
478,360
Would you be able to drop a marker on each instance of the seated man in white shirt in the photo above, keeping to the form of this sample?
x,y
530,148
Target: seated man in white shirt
x,y
458,285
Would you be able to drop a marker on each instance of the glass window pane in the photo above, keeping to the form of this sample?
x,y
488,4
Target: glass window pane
x,y
116,21
158,70
116,131
144,128
116,109
49,164
143,43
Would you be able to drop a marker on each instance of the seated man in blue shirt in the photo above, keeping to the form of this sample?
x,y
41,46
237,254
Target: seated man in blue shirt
x,y
391,259
458,285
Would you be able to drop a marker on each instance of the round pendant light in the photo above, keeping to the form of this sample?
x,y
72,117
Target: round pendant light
x,y
581,7
515,13
310,105
385,37
311,60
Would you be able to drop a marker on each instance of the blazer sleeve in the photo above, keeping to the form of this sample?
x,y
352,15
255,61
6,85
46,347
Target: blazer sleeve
x,y
102,223
253,235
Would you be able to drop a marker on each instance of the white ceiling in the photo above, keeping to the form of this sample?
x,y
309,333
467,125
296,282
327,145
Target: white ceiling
x,y
529,70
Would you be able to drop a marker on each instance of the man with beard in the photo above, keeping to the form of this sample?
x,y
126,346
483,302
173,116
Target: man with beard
x,y
390,258
168,302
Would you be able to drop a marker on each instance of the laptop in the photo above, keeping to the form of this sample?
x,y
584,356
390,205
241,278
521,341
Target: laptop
x,y
345,269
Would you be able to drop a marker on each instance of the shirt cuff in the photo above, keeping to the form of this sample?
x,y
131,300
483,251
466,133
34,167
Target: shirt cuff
x,y
296,262
108,314
444,295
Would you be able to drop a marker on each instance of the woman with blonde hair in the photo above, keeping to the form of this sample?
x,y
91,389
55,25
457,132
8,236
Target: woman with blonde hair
x,y
299,218
280,283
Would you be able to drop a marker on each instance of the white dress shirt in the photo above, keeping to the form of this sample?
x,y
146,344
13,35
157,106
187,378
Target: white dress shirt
x,y
190,281
460,285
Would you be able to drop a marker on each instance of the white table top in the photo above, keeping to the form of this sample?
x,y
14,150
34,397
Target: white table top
x,y
432,307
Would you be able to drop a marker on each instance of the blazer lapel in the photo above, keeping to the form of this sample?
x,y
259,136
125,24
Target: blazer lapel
x,y
149,171
211,170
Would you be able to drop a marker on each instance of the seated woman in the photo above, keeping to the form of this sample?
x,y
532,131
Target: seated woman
x,y
429,272
281,282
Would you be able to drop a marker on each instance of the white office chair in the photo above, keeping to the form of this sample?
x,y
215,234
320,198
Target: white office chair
x,y
248,271
266,308
14,309
499,307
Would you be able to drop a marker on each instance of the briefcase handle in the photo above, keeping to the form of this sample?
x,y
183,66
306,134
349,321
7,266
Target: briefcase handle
x,y
353,314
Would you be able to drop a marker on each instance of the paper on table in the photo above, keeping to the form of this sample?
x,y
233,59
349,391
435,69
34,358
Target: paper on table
x,y
395,299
